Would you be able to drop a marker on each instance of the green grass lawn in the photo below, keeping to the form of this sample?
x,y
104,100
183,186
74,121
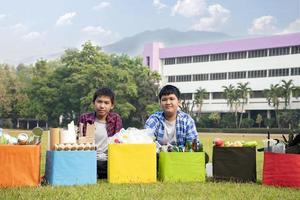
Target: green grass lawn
x,y
159,190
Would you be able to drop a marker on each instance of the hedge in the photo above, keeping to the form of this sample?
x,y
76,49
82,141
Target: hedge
x,y
247,130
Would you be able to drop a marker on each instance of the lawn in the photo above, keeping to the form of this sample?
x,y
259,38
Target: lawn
x,y
159,190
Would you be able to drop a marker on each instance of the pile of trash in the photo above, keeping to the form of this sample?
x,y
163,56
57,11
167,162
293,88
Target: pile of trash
x,y
132,136
22,138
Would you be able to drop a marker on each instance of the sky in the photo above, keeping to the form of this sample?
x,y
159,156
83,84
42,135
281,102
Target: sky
x,y
30,28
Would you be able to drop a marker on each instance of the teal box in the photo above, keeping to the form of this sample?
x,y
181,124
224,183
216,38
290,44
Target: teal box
x,y
71,167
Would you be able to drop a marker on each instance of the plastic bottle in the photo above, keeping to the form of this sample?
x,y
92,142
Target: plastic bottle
x,y
194,145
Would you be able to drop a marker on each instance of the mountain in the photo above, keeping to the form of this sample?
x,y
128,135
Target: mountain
x,y
134,45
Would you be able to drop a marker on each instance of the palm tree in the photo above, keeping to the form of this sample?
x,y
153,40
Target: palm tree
x,y
273,97
231,94
243,91
287,88
200,95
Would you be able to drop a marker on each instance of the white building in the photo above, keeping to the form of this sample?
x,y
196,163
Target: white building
x,y
260,61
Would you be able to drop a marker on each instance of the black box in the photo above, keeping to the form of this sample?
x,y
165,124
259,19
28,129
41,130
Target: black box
x,y
234,163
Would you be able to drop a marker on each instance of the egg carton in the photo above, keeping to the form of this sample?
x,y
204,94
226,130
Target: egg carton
x,y
75,147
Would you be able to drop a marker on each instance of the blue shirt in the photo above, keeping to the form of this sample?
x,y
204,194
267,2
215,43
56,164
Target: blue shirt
x,y
185,127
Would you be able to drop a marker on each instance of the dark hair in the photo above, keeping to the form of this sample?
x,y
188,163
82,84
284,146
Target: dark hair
x,y
169,89
104,92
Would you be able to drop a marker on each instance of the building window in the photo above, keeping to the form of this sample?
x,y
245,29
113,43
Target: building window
x,y
148,61
295,94
183,78
186,96
200,77
218,76
296,49
295,71
279,51
258,53
171,79
257,73
218,56
205,96
202,58
236,75
170,61
278,72
182,60
237,55
217,95
257,94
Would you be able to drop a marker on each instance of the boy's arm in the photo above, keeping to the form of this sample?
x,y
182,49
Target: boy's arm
x,y
152,123
119,124
81,124
191,130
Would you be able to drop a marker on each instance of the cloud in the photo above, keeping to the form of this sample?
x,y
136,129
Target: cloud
x,y
100,35
66,19
189,8
18,28
263,25
217,16
159,5
32,36
2,16
293,27
101,5
96,30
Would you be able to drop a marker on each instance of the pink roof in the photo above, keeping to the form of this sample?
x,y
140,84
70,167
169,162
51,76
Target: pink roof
x,y
232,46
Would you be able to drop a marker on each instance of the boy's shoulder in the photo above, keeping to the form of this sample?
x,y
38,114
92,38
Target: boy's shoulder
x,y
114,114
88,114
156,116
183,114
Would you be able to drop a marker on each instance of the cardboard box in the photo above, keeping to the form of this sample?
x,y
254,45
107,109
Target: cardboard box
x,y
71,167
131,163
234,163
20,165
182,166
281,169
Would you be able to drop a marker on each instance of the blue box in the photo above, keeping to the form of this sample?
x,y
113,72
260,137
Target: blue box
x,y
71,167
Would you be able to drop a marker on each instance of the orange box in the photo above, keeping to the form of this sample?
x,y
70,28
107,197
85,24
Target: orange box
x,y
20,165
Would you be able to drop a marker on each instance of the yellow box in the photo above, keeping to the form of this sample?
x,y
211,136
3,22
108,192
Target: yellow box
x,y
131,163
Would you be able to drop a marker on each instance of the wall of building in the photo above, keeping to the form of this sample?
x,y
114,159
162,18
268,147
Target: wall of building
x,y
246,64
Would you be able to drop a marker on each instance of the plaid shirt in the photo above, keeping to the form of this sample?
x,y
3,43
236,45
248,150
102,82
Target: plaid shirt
x,y
185,127
113,122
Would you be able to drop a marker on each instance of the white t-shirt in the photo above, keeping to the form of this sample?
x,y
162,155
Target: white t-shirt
x,y
101,140
170,132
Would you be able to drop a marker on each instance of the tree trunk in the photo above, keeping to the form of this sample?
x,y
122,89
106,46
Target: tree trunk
x,y
241,117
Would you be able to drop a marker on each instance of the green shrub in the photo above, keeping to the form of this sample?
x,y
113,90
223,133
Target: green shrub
x,y
245,130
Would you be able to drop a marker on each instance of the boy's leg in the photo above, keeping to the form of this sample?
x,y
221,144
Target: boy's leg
x,y
101,169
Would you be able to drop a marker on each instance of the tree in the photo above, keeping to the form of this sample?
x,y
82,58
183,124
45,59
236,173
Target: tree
x,y
231,94
243,91
259,120
187,105
287,89
200,95
247,123
289,118
228,120
273,97
215,117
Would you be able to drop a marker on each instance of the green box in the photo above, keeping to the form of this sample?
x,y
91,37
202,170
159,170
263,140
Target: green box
x,y
182,166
